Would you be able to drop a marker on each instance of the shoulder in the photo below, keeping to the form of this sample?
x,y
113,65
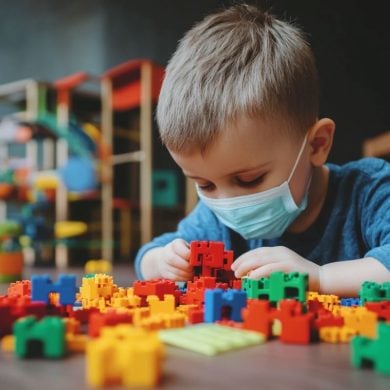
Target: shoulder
x,y
364,170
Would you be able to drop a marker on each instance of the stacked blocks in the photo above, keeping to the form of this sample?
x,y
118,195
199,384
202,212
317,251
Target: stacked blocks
x,y
374,292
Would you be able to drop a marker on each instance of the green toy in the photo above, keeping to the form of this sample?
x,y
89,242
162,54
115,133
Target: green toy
x,y
374,292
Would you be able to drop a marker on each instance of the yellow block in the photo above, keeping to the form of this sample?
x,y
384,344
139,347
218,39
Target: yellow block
x,y
335,334
167,306
8,343
124,355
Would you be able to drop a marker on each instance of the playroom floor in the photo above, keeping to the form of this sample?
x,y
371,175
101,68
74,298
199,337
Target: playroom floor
x,y
272,365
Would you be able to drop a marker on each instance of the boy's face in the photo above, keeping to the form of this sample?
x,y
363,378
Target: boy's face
x,y
250,156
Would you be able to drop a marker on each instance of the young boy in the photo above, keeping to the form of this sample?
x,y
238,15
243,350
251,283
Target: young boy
x,y
238,112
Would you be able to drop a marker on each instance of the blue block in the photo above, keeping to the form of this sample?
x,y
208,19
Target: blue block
x,y
41,286
217,299
350,302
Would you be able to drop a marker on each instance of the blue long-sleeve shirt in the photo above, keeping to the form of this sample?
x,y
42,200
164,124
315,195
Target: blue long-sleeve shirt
x,y
354,221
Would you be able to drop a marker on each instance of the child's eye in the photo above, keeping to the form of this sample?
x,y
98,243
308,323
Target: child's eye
x,y
206,187
250,183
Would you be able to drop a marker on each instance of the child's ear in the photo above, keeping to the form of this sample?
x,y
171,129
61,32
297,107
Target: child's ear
x,y
320,140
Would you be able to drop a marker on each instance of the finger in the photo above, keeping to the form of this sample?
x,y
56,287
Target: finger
x,y
251,264
176,261
254,253
266,270
177,274
181,248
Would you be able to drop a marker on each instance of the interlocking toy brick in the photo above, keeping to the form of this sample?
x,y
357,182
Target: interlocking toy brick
x,y
258,316
157,306
374,292
33,336
327,319
297,327
94,287
376,352
210,339
159,287
350,302
112,318
362,320
277,286
20,289
336,334
221,304
196,289
380,308
209,258
126,356
42,286
196,315
162,321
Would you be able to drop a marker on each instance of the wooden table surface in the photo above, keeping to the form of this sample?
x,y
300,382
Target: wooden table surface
x,y
272,365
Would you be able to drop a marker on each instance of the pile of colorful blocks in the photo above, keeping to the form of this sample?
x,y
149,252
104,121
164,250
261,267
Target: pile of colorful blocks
x,y
123,330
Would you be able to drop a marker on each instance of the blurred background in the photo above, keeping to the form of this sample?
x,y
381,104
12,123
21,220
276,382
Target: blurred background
x,y
47,41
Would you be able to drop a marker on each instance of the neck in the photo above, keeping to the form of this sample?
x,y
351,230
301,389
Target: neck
x,y
317,194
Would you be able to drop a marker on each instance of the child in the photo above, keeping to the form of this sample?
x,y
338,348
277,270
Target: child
x,y
238,112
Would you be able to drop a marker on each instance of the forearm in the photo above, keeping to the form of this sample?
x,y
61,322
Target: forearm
x,y
345,278
149,266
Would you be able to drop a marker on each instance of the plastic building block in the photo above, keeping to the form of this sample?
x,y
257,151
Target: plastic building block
x,y
41,286
124,355
31,334
166,306
19,289
210,339
350,302
11,266
221,304
112,318
297,327
8,343
335,334
258,316
209,258
277,286
159,287
328,319
196,316
362,320
98,267
96,286
374,292
377,351
196,289
162,321
380,308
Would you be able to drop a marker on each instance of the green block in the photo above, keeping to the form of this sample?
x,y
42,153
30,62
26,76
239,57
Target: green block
x,y
374,292
49,331
278,286
210,339
376,351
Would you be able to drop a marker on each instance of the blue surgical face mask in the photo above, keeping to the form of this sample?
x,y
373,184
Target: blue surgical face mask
x,y
263,215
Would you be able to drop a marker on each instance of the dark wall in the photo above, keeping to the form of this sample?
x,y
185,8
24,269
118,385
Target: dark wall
x,y
46,39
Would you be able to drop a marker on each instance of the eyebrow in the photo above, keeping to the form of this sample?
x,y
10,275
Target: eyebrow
x,y
239,172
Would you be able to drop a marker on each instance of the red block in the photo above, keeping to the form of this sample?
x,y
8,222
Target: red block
x,y
20,289
158,287
381,308
327,318
258,316
195,316
111,318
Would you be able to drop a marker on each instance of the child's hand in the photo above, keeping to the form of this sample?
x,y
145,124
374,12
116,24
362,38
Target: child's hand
x,y
174,261
261,262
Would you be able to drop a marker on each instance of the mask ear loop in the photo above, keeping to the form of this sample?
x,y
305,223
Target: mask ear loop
x,y
297,159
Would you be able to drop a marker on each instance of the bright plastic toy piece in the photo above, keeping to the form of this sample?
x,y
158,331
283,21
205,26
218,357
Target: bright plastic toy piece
x,y
210,339
126,356
375,351
221,304
374,292
277,286
41,286
47,335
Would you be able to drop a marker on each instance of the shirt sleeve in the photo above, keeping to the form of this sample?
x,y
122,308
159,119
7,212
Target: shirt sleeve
x,y
376,215
200,224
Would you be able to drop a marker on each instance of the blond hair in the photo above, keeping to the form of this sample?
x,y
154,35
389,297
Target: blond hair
x,y
238,62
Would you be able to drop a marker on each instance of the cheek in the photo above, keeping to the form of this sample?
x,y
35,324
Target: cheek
x,y
299,183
